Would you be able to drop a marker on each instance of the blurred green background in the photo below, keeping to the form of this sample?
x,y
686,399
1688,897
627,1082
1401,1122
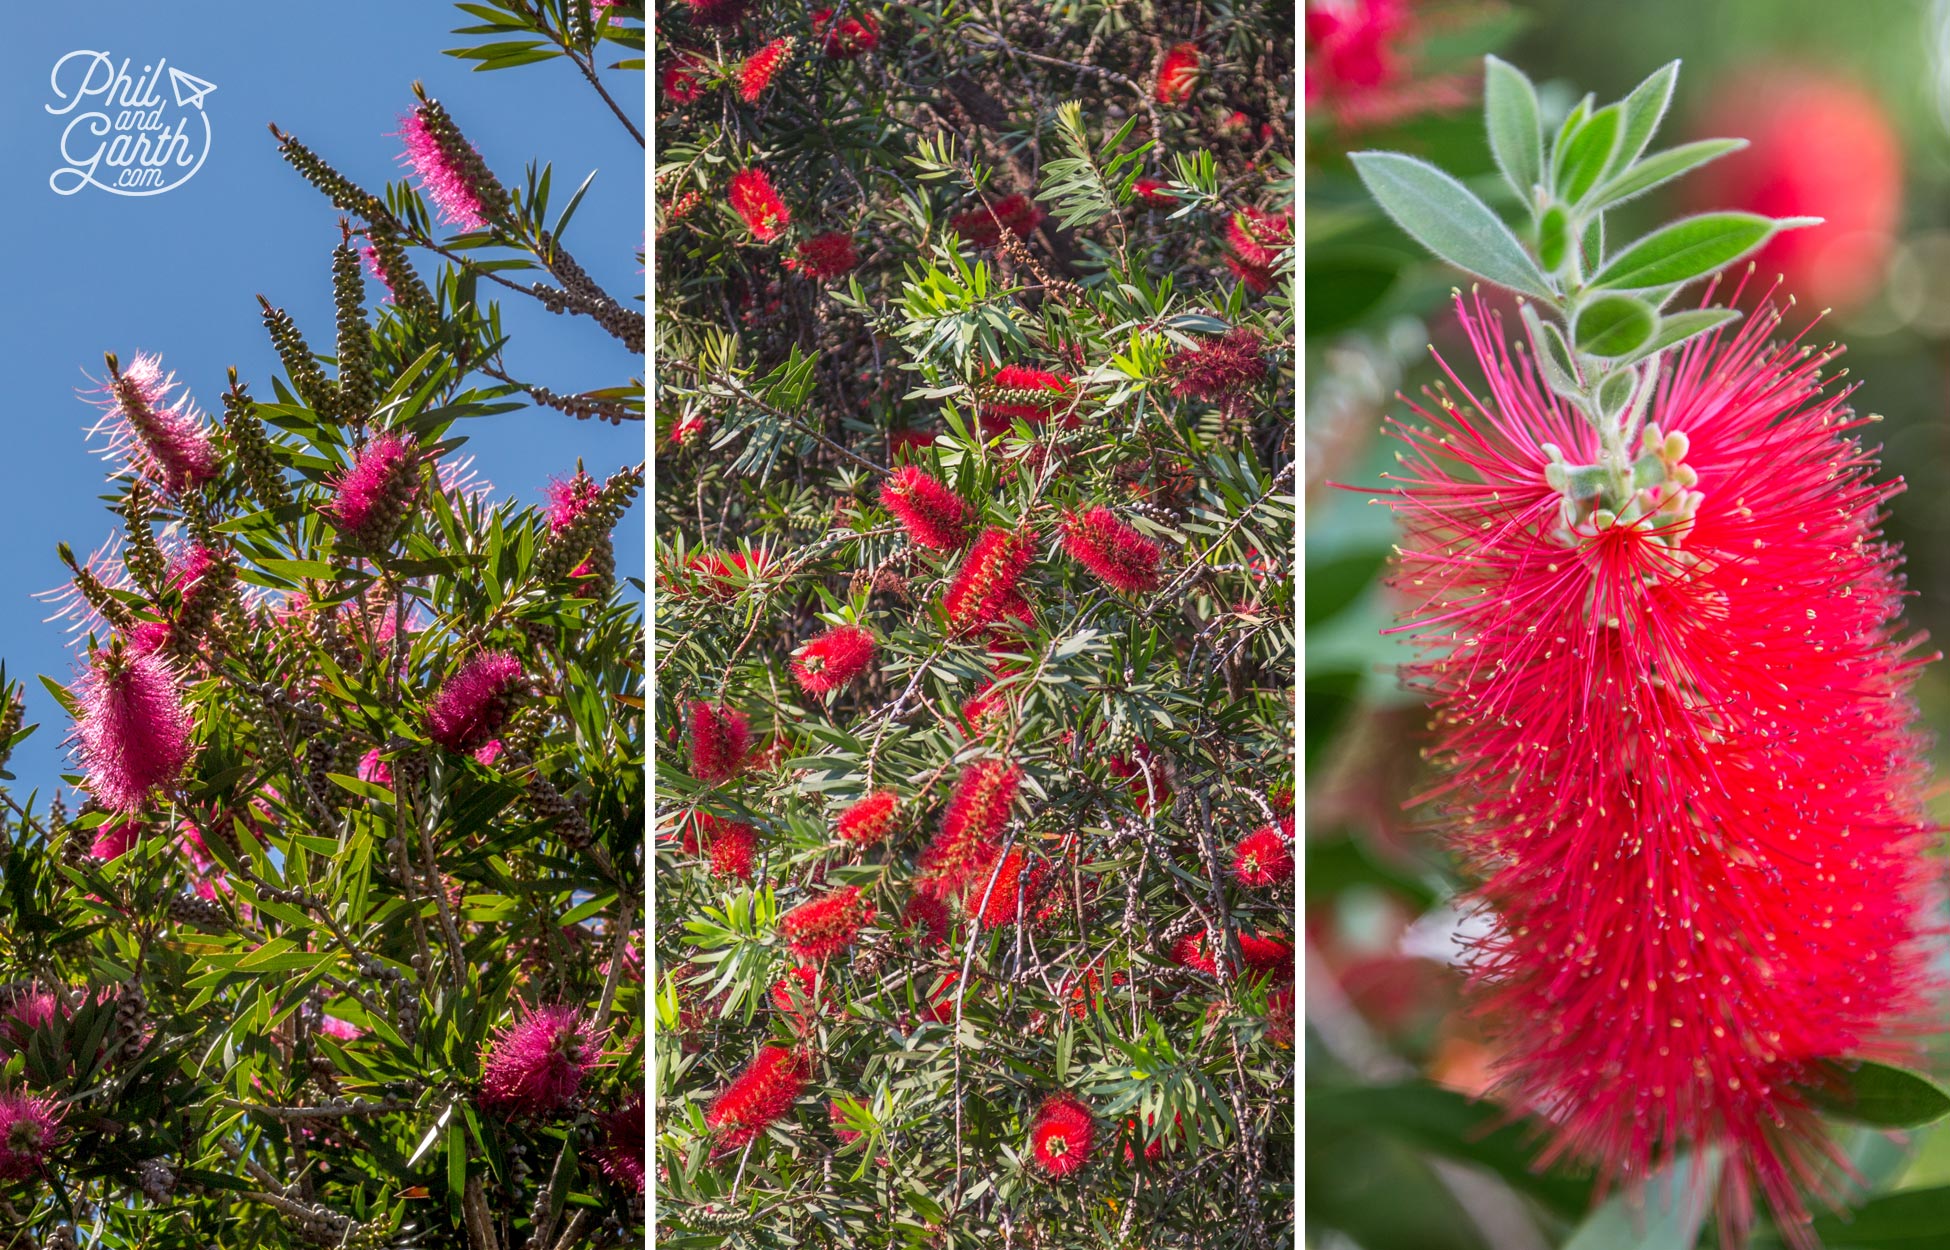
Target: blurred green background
x,y
1848,108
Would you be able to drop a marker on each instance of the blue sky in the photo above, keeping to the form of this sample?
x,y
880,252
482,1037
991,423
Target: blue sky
x,y
178,273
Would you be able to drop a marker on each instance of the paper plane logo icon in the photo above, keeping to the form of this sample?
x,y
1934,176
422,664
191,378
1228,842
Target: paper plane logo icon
x,y
189,89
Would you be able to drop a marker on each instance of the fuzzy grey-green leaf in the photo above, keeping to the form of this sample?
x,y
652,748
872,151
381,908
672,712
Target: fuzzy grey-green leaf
x,y
1614,325
1442,215
1516,134
1689,248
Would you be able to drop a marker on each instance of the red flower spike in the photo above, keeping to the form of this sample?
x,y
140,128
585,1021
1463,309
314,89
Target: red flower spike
x,y
1123,558
1262,858
762,1093
1191,951
930,915
758,205
870,820
935,517
851,37
823,927
1267,956
1221,369
1257,238
1258,280
965,847
833,659
796,996
1018,392
984,589
732,852
1154,192
755,75
1018,881
1061,1136
1178,74
824,257
720,741
983,224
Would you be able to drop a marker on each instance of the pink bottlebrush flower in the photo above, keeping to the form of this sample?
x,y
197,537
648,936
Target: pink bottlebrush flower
x,y
166,443
1262,858
984,590
731,852
718,12
1123,558
374,769
442,179
30,1009
836,1115
755,75
678,74
474,704
930,915
758,205
833,659
376,266
115,838
134,732
851,37
341,1030
1257,238
1219,370
824,257
1013,888
982,225
457,478
935,516
720,742
1018,392
823,927
965,847
106,566
488,752
1702,704
568,500
871,819
373,496
621,1155
535,1065
1178,74
761,1094
1061,1135
30,1127
1154,192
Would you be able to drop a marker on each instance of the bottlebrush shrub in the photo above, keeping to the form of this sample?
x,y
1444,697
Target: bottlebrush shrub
x,y
341,943
973,587
1645,564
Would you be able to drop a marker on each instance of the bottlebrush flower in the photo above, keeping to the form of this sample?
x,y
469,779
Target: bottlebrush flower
x,y
982,225
678,76
871,819
965,846
833,659
935,516
720,741
30,1009
30,1127
114,838
133,733
1194,952
1019,881
373,496
474,704
851,37
1257,237
568,500
1358,69
1123,558
1262,858
823,927
1267,955
536,1064
755,75
1154,192
442,179
1020,392
167,443
930,915
760,1094
1219,370
1061,1135
1819,145
760,207
1692,785
824,257
621,1154
984,589
1259,281
1178,74
1146,794
732,850
718,12
796,995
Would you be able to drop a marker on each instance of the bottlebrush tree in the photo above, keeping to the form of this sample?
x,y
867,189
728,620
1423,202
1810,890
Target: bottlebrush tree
x,y
341,944
975,702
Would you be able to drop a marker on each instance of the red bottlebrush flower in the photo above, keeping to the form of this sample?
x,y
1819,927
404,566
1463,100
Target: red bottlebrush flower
x,y
1257,238
1262,858
824,256
678,74
621,1154
1061,1135
1279,1015
758,205
1178,74
717,575
987,701
1194,952
718,12
1147,795
833,659
165,442
836,1116
762,1093
1819,145
1267,955
823,927
443,179
982,225
536,1064
935,516
1258,280
965,847
474,704
930,915
871,819
1019,881
755,75
30,1126
1742,736
732,850
1123,558
1017,391
134,732
373,496
1357,70
1222,369
984,589
851,37
901,441
720,740
796,995
1152,191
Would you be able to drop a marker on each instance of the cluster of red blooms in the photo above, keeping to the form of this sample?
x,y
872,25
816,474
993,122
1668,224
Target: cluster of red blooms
x,y
833,659
823,927
721,740
850,36
824,257
758,205
1359,67
1110,548
1256,240
983,224
1178,74
1021,393
755,75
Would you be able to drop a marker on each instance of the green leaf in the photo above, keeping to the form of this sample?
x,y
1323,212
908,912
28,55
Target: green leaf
x,y
1878,1094
1667,1215
1440,213
1676,328
1644,109
1689,248
1909,1219
1588,155
1516,136
1662,167
1553,238
1614,325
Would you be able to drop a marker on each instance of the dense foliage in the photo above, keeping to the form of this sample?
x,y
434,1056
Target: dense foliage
x,y
974,685
342,945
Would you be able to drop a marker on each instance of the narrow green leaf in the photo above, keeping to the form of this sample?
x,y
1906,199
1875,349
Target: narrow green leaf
x,y
1662,167
1553,239
1879,1095
1909,1219
1676,328
1440,213
1644,109
1687,249
1614,325
1665,1215
1588,155
1516,135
